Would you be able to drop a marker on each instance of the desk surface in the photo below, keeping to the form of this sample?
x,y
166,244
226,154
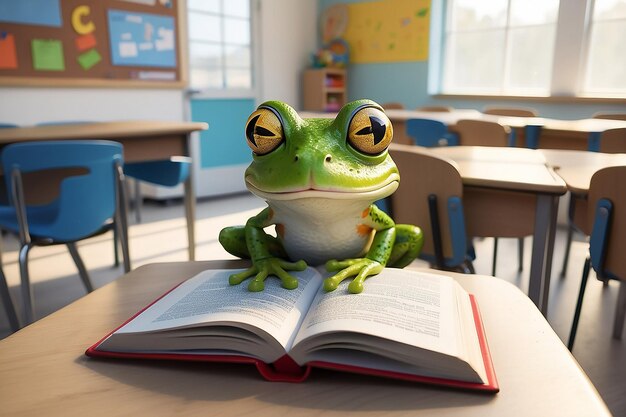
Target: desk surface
x,y
44,371
516,169
99,130
577,167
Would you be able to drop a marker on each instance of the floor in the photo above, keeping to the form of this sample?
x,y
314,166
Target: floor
x,y
161,236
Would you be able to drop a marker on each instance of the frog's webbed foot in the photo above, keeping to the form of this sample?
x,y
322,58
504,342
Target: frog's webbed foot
x,y
266,267
359,268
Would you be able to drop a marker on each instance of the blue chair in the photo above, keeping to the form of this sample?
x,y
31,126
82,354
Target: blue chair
x,y
606,245
168,173
7,302
89,198
609,141
429,133
430,196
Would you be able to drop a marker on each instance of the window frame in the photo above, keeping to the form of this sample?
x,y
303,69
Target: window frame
x,y
571,49
226,92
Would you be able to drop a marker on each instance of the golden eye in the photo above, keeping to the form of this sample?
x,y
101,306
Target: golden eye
x,y
370,131
264,132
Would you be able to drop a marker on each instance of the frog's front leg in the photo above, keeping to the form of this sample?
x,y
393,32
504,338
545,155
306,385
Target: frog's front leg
x,y
265,251
393,245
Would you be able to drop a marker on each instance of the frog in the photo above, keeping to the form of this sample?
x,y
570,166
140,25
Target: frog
x,y
320,178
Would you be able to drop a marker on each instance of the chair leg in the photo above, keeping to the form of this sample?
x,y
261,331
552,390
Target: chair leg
x,y
9,307
520,254
138,201
495,255
620,311
82,271
579,304
27,290
116,252
568,246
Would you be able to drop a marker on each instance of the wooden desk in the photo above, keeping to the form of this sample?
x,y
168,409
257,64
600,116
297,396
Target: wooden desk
x,y
142,140
510,192
577,167
44,371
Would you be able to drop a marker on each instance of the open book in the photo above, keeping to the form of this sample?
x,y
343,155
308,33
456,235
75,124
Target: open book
x,y
406,324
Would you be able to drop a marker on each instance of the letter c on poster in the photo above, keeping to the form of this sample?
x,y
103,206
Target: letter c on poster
x,y
77,23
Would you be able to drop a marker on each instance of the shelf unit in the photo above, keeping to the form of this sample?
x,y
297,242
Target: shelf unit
x,y
324,89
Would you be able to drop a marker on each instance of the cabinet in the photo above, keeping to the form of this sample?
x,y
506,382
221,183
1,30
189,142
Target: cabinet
x,y
324,89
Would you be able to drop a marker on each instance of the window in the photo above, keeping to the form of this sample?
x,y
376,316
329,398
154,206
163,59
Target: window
x,y
220,49
502,47
605,72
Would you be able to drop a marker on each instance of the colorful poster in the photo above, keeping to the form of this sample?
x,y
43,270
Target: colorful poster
x,y
31,12
388,31
48,55
8,56
142,39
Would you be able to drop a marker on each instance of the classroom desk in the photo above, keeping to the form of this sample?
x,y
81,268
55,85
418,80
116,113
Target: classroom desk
x,y
510,192
577,167
45,372
546,133
142,140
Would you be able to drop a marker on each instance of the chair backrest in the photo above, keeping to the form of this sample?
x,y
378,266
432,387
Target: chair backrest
x,y
482,133
427,132
85,202
511,111
607,194
393,105
168,172
423,174
435,108
613,141
613,116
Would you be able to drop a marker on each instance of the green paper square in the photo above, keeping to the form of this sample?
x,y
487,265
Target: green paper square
x,y
89,59
48,55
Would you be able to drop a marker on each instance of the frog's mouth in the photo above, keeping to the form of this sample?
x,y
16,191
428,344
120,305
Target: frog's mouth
x,y
369,193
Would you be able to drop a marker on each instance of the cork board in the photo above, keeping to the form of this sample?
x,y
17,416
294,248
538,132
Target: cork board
x,y
92,43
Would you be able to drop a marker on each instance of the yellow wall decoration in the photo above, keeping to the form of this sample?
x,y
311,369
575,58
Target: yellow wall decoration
x,y
388,31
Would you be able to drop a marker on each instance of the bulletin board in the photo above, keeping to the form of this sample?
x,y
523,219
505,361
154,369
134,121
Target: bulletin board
x,y
388,31
92,43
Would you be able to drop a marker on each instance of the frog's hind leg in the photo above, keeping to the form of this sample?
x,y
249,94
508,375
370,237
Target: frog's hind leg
x,y
408,245
233,240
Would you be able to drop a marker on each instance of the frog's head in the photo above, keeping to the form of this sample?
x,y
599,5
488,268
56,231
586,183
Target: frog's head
x,y
344,158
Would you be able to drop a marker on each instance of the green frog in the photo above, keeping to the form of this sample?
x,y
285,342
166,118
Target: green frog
x,y
320,178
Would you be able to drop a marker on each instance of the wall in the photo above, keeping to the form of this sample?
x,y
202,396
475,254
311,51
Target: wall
x,y
27,106
407,82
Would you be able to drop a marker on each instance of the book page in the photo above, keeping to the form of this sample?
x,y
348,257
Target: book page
x,y
208,298
409,307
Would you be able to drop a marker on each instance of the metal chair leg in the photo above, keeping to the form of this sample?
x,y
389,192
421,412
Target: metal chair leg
x,y
568,246
495,255
9,307
138,201
620,311
27,290
520,254
82,271
579,304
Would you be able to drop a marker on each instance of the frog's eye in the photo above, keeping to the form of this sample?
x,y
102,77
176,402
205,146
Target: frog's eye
x,y
264,132
370,131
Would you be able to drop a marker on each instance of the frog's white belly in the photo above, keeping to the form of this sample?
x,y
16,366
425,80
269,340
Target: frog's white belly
x,y
320,229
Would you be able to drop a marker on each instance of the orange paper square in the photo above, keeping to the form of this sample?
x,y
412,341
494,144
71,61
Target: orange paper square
x,y
8,57
85,42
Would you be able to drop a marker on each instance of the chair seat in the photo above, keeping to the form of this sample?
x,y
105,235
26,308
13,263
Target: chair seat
x,y
42,224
